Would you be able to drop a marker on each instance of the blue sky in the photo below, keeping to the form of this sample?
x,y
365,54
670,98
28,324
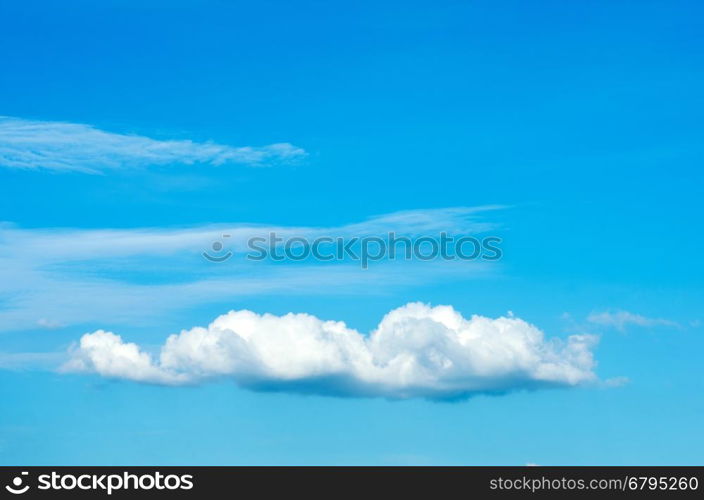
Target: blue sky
x,y
136,133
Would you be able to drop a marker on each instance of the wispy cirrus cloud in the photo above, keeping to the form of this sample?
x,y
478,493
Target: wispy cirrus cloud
x,y
416,351
52,278
623,319
73,147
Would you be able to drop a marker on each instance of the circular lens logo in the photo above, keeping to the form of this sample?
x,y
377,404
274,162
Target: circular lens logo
x,y
217,248
16,487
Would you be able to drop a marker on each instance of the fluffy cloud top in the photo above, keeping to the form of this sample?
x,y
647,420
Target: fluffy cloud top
x,y
60,146
416,351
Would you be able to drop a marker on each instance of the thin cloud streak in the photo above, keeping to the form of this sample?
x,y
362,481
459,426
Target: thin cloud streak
x,y
72,147
621,320
51,277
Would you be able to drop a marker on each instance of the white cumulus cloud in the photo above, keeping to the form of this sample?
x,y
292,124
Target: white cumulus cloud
x,y
416,351
60,146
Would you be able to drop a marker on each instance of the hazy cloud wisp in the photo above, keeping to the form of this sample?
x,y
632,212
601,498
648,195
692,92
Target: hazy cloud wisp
x,y
622,319
52,277
60,146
